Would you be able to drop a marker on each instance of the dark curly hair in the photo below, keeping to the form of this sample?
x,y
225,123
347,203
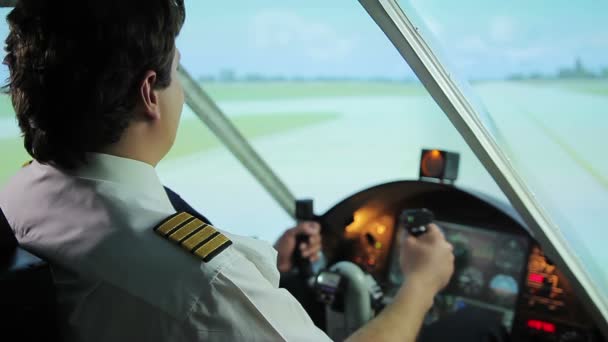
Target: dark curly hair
x,y
75,69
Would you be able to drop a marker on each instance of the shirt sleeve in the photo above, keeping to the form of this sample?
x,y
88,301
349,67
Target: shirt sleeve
x,y
241,304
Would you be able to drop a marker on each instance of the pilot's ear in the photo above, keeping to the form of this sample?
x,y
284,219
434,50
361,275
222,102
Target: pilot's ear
x,y
149,97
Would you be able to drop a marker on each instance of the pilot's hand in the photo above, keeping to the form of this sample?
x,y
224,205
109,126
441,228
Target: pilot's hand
x,y
286,244
428,258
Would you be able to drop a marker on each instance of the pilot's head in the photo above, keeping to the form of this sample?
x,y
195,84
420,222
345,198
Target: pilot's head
x,y
95,76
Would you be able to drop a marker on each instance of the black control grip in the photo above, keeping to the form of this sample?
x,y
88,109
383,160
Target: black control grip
x,y
304,212
416,220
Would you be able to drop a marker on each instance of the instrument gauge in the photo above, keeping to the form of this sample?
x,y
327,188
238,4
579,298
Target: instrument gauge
x,y
510,257
504,288
470,281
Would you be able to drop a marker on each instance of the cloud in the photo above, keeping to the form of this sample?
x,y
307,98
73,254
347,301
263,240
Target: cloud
x,y
418,9
598,40
434,26
474,45
277,30
502,29
476,48
523,54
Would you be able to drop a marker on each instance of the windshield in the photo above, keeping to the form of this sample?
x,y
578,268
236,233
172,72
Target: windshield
x,y
11,143
320,93
539,72
327,100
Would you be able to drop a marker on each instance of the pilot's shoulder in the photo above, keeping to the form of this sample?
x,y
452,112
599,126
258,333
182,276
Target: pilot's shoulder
x,y
193,235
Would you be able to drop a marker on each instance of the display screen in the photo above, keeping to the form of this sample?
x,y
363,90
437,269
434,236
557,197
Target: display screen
x,y
488,269
488,264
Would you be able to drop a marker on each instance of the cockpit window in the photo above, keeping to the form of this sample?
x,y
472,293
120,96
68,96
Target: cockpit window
x,y
11,143
318,90
205,174
540,74
331,105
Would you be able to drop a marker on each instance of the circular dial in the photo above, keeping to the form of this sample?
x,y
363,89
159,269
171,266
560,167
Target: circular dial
x,y
470,281
504,288
510,257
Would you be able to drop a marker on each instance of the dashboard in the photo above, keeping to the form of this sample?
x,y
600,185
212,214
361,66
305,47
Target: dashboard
x,y
489,267
502,281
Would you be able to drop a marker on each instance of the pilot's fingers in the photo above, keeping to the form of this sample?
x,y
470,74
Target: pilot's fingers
x,y
314,254
315,257
309,228
312,248
433,234
311,253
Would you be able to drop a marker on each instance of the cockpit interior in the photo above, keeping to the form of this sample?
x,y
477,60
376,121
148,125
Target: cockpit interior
x,y
502,278
486,115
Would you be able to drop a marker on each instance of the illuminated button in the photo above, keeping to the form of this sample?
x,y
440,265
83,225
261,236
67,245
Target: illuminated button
x,y
534,324
378,245
548,327
536,278
541,326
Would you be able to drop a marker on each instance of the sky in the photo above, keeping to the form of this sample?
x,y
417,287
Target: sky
x,y
318,38
481,39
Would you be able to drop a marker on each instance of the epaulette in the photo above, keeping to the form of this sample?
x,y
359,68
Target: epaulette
x,y
194,235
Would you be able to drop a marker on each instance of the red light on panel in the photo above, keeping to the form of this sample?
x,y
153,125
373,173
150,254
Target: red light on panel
x,y
549,327
541,325
534,324
536,278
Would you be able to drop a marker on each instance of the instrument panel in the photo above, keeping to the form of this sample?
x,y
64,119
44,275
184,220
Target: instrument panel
x,y
488,270
500,272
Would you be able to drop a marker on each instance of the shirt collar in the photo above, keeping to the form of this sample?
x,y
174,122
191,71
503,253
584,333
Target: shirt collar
x,y
128,173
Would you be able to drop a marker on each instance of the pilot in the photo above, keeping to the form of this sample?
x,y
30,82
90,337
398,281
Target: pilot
x,y
95,89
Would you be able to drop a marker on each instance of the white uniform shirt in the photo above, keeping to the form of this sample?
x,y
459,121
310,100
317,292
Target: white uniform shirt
x,y
117,280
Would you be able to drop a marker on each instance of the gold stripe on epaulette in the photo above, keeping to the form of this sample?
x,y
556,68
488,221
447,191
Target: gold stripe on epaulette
x,y
199,237
187,229
27,163
193,235
210,249
173,222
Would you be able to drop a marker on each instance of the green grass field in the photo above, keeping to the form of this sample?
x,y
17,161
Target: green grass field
x,y
239,91
193,136
13,156
242,91
599,87
588,86
6,107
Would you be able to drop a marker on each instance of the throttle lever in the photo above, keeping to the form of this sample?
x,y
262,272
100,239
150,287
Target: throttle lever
x,y
304,212
415,220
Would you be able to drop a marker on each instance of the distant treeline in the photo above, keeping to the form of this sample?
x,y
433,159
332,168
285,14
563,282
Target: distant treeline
x,y
231,76
577,71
